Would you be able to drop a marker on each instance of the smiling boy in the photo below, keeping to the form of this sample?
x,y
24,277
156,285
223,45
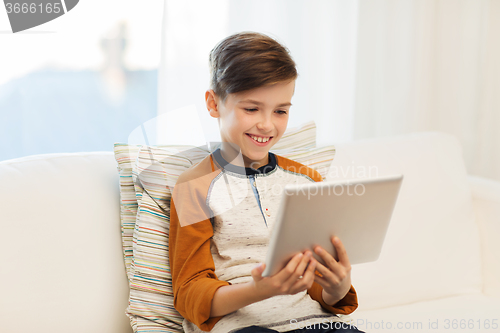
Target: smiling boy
x,y
223,209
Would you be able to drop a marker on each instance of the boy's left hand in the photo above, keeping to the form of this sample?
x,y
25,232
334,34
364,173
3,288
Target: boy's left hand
x,y
336,275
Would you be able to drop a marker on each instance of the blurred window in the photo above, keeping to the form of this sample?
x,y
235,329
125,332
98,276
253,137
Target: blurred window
x,y
80,82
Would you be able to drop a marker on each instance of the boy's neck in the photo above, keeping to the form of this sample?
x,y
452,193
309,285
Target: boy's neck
x,y
255,164
234,156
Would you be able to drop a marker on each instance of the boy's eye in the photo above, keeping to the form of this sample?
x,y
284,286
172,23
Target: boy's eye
x,y
251,110
282,111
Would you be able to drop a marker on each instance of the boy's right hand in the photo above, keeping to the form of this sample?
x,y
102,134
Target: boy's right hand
x,y
295,277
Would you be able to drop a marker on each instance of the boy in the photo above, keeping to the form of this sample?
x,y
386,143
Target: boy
x,y
223,209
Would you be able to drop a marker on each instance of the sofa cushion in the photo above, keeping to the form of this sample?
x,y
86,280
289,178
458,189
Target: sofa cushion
x,y
431,248
61,265
486,202
472,312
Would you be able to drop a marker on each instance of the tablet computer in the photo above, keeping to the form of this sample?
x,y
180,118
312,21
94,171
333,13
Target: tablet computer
x,y
357,211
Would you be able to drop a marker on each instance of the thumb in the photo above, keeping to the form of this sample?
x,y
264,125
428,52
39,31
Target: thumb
x,y
257,271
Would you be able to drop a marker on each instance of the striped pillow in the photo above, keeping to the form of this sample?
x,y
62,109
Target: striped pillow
x,y
126,155
154,174
318,159
301,137
147,176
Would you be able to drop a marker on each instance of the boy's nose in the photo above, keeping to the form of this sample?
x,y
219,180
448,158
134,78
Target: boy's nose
x,y
265,124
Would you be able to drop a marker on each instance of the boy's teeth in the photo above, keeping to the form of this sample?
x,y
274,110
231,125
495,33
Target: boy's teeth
x,y
259,139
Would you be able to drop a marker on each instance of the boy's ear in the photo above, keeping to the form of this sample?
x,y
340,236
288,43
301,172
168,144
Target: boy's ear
x,y
211,102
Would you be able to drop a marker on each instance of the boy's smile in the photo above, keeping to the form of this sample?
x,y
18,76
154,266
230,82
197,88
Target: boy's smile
x,y
252,121
259,139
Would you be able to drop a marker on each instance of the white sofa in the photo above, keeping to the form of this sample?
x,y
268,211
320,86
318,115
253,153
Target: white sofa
x,y
439,271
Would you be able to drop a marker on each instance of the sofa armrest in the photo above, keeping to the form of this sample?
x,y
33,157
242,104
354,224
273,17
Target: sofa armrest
x,y
486,202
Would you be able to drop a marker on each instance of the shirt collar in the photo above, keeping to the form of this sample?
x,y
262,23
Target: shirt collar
x,y
243,170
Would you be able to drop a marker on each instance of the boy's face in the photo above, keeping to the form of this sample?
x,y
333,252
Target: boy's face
x,y
253,120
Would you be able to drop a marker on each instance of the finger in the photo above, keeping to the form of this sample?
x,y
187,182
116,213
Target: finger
x,y
289,269
331,277
309,273
341,252
257,272
327,274
307,278
329,260
300,269
321,281
302,266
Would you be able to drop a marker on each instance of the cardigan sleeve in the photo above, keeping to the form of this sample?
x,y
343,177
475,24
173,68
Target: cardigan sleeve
x,y
192,267
346,305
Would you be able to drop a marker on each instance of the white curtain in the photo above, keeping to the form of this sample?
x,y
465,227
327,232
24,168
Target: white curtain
x,y
367,68
425,65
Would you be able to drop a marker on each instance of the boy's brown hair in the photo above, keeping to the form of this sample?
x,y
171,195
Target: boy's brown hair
x,y
248,60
